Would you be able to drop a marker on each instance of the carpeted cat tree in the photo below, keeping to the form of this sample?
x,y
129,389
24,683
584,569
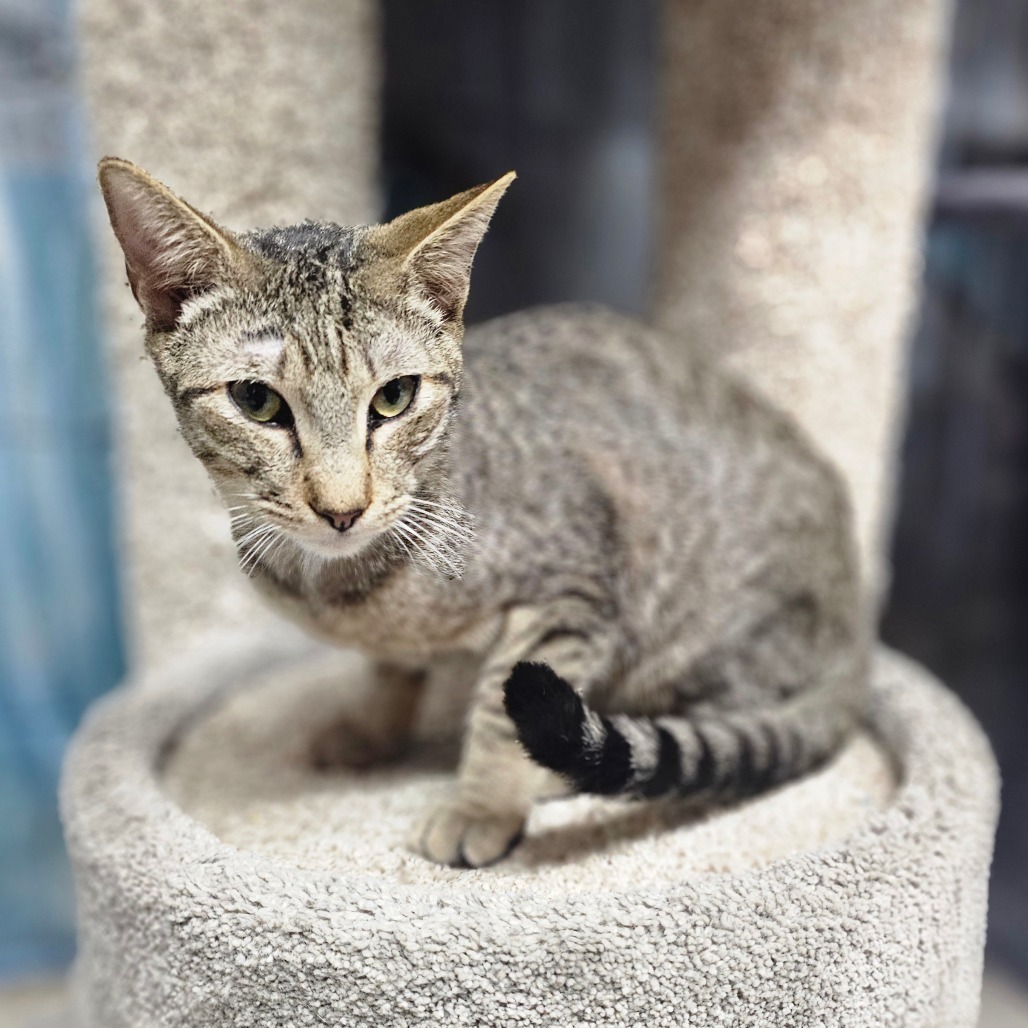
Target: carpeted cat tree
x,y
222,882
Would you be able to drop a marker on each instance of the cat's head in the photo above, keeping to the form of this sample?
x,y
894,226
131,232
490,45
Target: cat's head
x,y
314,369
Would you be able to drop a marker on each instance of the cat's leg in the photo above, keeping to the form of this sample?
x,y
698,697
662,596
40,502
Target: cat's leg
x,y
497,782
379,727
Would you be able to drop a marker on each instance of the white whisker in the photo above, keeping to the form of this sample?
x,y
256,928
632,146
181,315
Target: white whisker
x,y
398,532
458,514
260,552
445,559
452,537
449,514
457,533
434,503
454,511
421,555
278,548
405,545
258,546
249,538
404,533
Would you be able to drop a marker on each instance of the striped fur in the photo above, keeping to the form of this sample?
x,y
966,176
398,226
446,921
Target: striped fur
x,y
653,568
730,757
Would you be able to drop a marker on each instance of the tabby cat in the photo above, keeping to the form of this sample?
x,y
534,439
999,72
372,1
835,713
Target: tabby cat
x,y
653,567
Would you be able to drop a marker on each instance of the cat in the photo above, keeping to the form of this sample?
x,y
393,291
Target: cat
x,y
654,568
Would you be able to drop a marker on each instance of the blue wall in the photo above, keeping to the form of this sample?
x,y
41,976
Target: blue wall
x,y
59,622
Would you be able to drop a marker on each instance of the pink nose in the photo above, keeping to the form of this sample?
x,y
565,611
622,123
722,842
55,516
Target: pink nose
x,y
339,521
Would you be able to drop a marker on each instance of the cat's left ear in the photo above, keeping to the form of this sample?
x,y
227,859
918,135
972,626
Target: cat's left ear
x,y
437,244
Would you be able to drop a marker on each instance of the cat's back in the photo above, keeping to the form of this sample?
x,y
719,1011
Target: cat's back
x,y
574,401
559,352
573,376
584,377
582,373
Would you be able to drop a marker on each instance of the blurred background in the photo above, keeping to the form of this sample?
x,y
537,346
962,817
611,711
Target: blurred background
x,y
469,90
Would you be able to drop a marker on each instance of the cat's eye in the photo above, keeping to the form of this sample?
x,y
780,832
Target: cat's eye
x,y
261,403
394,397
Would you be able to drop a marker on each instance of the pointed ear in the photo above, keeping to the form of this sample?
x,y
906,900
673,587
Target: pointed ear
x,y
172,251
437,244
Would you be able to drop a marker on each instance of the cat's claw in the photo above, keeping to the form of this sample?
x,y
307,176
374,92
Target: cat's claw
x,y
456,836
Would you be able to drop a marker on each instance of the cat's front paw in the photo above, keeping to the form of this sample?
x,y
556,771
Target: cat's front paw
x,y
455,835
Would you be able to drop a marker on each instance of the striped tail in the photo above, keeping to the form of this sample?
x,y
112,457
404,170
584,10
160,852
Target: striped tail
x,y
739,754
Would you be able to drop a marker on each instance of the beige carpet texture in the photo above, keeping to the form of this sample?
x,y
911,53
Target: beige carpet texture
x,y
260,114
798,145
223,882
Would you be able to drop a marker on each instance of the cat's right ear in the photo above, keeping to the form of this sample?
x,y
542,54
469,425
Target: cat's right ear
x,y
172,251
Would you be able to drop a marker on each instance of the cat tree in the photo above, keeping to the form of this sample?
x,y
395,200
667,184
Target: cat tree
x,y
221,881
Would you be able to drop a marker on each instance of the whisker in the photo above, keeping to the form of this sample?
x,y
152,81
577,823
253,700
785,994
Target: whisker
x,y
440,511
419,501
420,555
402,538
259,552
459,526
395,537
446,513
422,502
457,533
421,534
454,537
257,545
251,537
404,533
277,549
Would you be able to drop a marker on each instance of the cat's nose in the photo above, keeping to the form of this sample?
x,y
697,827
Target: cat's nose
x,y
339,521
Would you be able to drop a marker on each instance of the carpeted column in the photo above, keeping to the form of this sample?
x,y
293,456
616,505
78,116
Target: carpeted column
x,y
259,113
798,143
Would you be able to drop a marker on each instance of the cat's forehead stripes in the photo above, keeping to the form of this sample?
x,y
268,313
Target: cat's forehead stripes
x,y
314,263
320,346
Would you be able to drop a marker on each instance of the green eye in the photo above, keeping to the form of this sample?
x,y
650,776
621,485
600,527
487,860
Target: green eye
x,y
261,403
394,397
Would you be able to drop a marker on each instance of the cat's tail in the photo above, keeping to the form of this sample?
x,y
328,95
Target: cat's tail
x,y
732,756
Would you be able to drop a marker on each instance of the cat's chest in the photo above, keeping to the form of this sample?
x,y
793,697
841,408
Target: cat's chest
x,y
403,620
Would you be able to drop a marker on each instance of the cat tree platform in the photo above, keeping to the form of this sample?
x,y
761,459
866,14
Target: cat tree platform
x,y
223,881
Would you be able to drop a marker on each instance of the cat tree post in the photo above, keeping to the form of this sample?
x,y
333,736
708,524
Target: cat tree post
x,y
269,113
280,897
798,145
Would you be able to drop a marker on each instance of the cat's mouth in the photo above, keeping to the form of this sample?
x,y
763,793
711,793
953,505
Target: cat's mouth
x,y
327,543
432,532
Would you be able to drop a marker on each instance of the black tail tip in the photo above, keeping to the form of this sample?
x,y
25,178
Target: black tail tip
x,y
547,713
